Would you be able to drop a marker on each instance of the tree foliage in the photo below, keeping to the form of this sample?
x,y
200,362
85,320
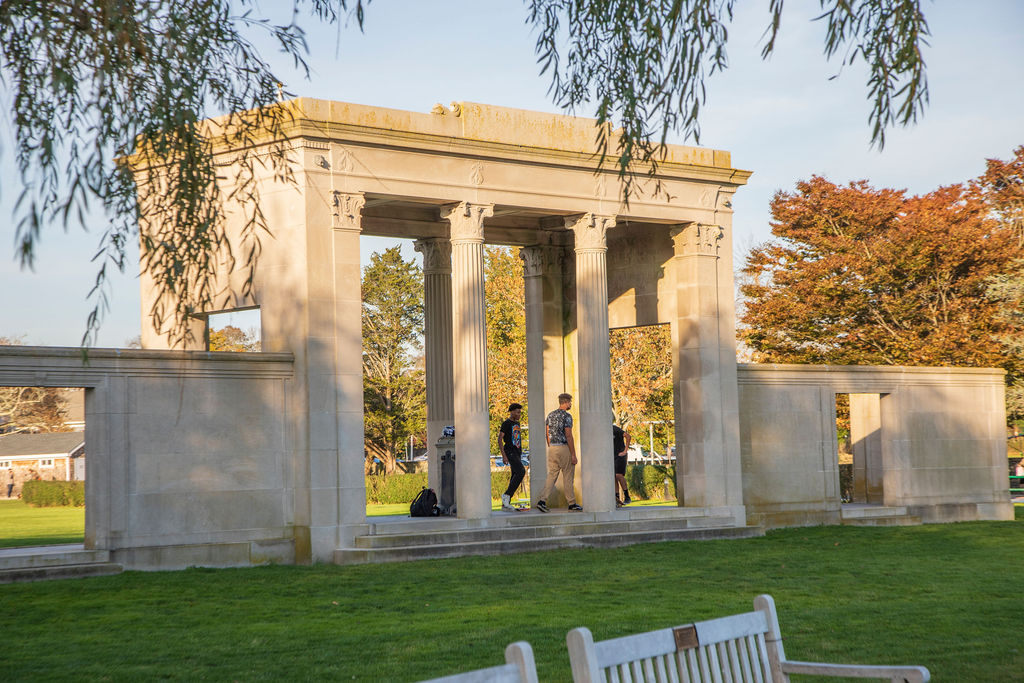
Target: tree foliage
x,y
865,276
506,336
231,338
642,381
394,394
91,82
643,64
31,409
1002,186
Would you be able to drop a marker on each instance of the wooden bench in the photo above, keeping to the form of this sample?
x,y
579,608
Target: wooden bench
x,y
740,648
519,667
1019,481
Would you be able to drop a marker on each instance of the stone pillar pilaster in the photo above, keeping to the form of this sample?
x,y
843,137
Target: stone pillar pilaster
x,y
542,276
704,373
469,346
437,298
594,435
349,487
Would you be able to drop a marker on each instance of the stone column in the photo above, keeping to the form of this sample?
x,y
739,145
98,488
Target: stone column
x,y
349,488
469,346
437,298
704,373
594,433
542,275
866,441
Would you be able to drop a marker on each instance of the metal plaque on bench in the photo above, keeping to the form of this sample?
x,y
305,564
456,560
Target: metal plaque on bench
x,y
686,637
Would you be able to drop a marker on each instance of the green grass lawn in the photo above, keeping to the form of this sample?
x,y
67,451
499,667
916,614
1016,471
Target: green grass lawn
x,y
944,596
22,524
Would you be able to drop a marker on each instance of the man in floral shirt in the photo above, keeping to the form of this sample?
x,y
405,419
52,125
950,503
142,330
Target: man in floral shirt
x,y
561,454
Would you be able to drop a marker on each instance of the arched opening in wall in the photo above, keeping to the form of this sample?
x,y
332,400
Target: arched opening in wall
x,y
237,329
859,448
394,375
642,401
42,466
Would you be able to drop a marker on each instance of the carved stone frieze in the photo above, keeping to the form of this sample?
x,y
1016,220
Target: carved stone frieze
x,y
346,161
467,220
590,230
347,212
697,239
476,175
437,255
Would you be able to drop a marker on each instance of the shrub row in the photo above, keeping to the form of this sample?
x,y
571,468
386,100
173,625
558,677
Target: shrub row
x,y
54,493
645,482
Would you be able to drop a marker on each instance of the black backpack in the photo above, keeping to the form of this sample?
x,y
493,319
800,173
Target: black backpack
x,y
424,504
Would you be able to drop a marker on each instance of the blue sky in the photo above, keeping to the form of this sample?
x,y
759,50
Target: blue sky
x,y
783,119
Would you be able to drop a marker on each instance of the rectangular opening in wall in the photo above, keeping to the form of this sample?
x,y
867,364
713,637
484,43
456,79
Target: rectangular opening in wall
x,y
643,406
234,330
859,441
42,466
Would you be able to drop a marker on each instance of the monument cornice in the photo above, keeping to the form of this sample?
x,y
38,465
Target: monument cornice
x,y
426,143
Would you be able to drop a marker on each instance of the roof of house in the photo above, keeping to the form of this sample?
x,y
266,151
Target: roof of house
x,y
56,443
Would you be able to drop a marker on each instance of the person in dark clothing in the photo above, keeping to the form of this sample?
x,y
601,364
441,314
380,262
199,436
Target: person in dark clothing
x,y
510,441
621,440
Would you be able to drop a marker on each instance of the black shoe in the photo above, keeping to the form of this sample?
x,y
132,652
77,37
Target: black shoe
x,y
575,508
626,500
542,506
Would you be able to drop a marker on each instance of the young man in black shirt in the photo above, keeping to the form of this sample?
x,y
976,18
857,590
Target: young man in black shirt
x,y
620,446
510,441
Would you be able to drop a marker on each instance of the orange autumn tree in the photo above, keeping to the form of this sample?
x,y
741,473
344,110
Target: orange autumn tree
x,y
859,275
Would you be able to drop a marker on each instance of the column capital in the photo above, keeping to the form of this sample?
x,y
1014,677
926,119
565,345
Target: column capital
x,y
538,259
437,255
347,213
696,239
467,220
590,230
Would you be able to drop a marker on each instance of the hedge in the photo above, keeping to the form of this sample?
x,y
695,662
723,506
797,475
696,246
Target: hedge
x,y
54,493
645,482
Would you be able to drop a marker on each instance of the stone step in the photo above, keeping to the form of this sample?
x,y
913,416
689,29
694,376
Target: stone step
x,y
557,526
865,511
54,562
886,520
499,545
60,571
50,555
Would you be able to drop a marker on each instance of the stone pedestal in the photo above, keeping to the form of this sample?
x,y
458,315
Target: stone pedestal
x,y
594,433
437,299
469,346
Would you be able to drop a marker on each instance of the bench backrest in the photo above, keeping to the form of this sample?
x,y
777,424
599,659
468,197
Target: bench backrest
x,y
519,667
738,648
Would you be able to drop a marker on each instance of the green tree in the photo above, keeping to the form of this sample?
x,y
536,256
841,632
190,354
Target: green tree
x,y
31,409
231,338
506,335
90,82
394,393
1002,188
865,276
642,382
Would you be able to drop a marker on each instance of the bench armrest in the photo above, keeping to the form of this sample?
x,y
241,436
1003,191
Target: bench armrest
x,y
910,674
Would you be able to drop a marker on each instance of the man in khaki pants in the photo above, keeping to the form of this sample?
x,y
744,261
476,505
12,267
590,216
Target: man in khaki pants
x,y
561,454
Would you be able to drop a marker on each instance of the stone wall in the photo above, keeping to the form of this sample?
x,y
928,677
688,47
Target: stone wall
x,y
191,459
928,439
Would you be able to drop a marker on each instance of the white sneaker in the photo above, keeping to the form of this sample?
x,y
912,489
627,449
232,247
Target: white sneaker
x,y
506,502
